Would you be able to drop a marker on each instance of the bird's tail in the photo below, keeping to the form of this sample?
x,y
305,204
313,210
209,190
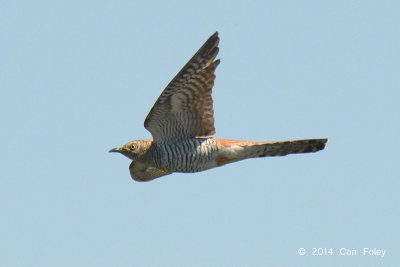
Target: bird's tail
x,y
286,147
238,150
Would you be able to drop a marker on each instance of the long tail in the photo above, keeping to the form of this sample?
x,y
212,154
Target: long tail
x,y
234,150
288,147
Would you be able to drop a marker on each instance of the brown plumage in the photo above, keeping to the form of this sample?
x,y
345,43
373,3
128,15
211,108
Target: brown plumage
x,y
183,117
187,96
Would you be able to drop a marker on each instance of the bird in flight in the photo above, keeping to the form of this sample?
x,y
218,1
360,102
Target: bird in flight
x,y
182,121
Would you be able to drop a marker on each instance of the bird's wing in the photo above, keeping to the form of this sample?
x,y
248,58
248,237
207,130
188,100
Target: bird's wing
x,y
185,107
143,172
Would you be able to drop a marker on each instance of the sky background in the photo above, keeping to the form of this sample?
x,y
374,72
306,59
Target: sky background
x,y
78,78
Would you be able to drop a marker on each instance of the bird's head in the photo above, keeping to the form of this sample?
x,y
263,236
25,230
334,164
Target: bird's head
x,y
133,149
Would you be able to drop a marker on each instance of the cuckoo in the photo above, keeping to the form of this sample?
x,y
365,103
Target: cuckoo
x,y
182,123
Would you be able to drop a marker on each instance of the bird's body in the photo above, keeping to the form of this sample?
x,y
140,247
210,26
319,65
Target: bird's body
x,y
181,121
186,155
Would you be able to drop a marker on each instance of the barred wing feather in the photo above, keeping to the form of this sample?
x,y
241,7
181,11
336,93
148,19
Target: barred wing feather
x,y
185,107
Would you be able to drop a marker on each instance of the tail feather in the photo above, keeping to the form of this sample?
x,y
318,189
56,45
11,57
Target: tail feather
x,y
288,147
235,150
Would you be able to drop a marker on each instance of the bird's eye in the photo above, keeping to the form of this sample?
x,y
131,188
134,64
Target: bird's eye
x,y
133,146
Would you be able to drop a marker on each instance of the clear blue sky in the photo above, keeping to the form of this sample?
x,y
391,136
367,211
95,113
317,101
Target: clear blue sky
x,y
78,78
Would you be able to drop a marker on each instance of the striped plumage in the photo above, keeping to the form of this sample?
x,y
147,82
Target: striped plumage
x,y
185,107
183,117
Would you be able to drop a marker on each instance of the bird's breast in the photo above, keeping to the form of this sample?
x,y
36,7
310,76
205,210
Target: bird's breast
x,y
188,155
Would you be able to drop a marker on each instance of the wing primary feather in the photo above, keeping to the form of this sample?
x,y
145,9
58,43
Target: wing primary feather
x,y
208,51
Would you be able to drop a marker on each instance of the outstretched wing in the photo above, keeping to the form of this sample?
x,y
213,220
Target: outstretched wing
x,y
185,107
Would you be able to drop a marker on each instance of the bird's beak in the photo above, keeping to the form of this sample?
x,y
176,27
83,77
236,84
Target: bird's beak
x,y
115,150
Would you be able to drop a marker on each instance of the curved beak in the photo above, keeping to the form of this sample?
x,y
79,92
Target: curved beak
x,y
115,150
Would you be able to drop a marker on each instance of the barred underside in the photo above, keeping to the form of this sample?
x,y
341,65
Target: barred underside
x,y
190,155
